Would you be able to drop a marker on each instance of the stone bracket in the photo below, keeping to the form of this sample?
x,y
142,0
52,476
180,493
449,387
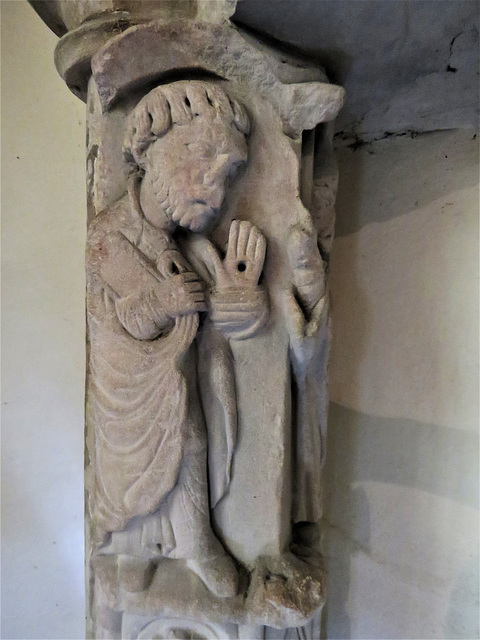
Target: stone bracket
x,y
163,51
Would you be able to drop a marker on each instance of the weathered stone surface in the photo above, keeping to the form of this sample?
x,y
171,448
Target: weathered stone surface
x,y
86,25
281,592
405,65
268,488
210,207
67,15
221,50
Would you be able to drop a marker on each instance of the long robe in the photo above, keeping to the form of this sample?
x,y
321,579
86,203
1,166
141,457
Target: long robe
x,y
143,383
147,371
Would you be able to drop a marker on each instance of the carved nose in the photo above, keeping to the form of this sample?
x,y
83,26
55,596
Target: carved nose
x,y
217,171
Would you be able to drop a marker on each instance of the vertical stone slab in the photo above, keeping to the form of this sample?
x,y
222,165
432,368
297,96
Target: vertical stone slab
x,y
210,206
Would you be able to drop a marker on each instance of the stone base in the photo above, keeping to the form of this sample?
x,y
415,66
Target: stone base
x,y
280,592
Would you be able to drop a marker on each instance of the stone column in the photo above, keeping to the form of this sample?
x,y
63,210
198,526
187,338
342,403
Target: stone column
x,y
211,188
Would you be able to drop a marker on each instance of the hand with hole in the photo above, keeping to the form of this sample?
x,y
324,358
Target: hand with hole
x,y
238,304
243,263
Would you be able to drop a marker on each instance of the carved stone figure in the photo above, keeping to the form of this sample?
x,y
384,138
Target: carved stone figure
x,y
148,331
210,201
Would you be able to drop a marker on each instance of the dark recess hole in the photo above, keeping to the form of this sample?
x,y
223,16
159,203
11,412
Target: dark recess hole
x,y
451,69
241,266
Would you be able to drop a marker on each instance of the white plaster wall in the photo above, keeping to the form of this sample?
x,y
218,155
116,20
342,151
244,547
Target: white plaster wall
x,y
43,211
402,464
402,498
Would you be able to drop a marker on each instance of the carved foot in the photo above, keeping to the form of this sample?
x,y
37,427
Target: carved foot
x,y
134,574
218,573
286,590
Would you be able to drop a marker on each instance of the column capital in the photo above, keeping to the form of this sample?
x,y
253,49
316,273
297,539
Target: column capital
x,y
84,26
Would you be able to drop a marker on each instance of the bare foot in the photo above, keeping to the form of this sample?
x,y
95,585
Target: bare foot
x,y
218,573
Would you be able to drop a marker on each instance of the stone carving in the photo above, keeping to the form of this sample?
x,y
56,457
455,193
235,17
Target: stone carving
x,y
149,343
166,304
210,199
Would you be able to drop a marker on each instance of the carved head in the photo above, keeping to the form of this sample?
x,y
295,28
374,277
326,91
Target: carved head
x,y
189,139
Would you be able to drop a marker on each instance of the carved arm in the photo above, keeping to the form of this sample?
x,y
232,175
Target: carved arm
x,y
146,300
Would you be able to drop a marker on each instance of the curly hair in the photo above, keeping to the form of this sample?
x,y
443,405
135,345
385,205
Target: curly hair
x,y
176,104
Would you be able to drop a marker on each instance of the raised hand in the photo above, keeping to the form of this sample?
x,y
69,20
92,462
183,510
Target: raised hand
x,y
243,263
239,306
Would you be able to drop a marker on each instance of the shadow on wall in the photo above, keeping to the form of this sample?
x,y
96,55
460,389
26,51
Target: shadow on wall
x,y
467,583
405,453
356,502
400,453
437,150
